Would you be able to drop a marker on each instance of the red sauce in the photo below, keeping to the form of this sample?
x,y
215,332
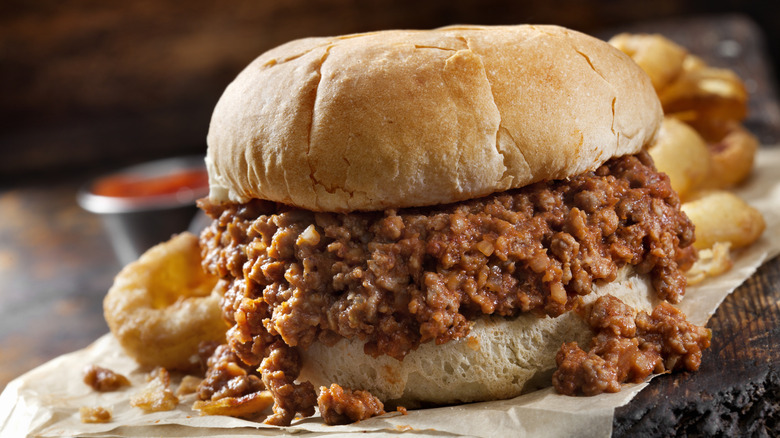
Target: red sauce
x,y
138,186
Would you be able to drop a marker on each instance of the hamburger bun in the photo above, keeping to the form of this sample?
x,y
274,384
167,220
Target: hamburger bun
x,y
412,118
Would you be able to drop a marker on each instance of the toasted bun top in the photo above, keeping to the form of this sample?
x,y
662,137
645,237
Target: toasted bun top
x,y
410,118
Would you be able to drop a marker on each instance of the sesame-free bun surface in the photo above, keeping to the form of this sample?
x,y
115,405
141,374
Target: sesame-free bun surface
x,y
412,118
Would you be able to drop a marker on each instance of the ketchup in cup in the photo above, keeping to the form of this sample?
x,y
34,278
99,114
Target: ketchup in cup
x,y
146,204
139,186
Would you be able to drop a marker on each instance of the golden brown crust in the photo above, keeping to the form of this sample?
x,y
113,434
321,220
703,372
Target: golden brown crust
x,y
163,305
411,118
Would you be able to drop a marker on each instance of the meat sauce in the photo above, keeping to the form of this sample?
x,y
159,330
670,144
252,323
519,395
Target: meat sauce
x,y
399,278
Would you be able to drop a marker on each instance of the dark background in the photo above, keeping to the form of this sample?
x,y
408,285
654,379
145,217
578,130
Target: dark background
x,y
86,84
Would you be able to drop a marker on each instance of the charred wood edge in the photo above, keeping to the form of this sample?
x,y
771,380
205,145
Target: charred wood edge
x,y
744,409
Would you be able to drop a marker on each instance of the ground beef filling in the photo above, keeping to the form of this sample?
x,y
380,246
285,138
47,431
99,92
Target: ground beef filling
x,y
399,278
628,347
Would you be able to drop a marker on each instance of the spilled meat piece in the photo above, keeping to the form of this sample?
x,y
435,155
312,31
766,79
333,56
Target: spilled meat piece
x,y
103,379
280,368
227,376
629,347
342,406
402,277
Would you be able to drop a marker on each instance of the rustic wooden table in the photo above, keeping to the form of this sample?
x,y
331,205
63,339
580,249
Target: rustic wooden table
x,y
56,264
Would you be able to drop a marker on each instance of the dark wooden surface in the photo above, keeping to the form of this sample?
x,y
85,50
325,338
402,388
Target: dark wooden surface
x,y
55,266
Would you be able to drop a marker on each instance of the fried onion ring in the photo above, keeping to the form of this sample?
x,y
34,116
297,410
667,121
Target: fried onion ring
x,y
658,56
162,306
722,216
732,156
681,153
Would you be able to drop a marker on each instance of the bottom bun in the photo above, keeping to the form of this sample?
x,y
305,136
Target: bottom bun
x,y
499,359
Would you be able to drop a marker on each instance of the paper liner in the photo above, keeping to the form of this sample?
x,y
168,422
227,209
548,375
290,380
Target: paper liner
x,y
45,401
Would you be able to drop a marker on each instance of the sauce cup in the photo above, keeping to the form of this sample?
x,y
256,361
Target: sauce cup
x,y
145,204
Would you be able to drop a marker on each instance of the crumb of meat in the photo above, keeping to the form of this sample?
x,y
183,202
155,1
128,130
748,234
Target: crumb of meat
x,y
103,379
156,395
628,347
342,406
94,414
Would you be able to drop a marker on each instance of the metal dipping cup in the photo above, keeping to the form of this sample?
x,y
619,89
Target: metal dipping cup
x,y
136,223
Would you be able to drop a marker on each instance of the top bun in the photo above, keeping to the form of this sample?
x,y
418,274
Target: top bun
x,y
398,119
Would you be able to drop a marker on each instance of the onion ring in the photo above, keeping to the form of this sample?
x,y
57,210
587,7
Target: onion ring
x,y
162,306
681,153
658,56
732,156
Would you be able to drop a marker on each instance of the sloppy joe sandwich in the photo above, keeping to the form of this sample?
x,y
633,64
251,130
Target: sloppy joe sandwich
x,y
447,216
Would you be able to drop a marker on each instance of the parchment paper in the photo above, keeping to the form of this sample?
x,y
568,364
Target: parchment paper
x,y
45,401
